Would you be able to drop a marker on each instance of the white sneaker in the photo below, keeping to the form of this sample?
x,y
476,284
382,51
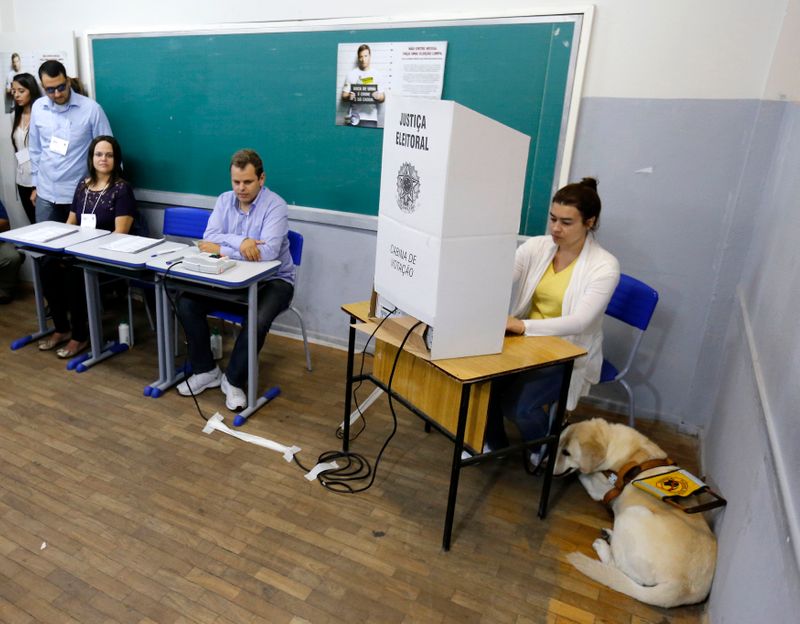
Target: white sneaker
x,y
200,382
235,398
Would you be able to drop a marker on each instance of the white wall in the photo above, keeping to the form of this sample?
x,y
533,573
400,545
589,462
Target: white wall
x,y
784,77
6,15
640,48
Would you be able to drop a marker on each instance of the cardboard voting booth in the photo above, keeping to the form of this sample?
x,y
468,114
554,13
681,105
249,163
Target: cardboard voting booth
x,y
450,201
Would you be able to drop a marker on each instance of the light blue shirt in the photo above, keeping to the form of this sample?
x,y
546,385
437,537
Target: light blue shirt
x,y
79,121
267,220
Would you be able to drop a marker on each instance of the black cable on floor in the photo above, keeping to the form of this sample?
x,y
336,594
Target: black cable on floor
x,y
186,360
357,467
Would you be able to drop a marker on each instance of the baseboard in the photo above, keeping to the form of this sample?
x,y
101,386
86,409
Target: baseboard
x,y
621,408
292,332
334,342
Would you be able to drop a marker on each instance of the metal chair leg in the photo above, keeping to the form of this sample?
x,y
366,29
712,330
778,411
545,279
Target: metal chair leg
x,y
303,332
629,390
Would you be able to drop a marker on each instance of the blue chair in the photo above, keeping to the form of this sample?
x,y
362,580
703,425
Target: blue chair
x,y
185,222
296,251
192,222
633,302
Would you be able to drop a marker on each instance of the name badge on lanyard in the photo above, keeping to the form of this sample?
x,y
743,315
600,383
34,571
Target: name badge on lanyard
x,y
59,141
89,219
59,145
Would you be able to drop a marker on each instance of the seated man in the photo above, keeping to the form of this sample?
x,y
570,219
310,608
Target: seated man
x,y
249,223
10,260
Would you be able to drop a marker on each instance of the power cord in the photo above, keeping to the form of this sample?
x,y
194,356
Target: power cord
x,y
174,307
363,417
357,467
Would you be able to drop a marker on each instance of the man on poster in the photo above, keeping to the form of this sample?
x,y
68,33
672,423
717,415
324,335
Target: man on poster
x,y
16,68
363,88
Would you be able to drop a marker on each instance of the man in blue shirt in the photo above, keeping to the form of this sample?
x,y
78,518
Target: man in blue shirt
x,y
62,126
10,260
249,223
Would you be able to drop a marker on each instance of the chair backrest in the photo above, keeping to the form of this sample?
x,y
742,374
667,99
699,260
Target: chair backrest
x,y
633,302
295,246
186,222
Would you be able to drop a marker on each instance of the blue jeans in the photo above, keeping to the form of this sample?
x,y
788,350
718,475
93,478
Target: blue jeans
x,y
273,298
522,399
51,211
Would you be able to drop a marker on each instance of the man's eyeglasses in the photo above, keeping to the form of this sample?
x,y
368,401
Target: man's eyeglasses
x,y
57,89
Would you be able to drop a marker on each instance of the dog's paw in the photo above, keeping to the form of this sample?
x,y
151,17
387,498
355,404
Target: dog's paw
x,y
606,534
602,549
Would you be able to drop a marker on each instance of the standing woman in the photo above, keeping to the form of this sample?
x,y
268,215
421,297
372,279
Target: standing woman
x,y
102,201
562,285
25,90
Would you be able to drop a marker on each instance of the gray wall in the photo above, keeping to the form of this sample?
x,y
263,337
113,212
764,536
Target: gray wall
x,y
671,229
752,442
757,578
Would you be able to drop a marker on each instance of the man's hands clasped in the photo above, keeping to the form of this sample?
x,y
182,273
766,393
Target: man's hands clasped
x,y
248,248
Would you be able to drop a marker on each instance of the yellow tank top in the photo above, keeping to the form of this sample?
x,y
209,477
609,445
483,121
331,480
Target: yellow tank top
x,y
549,294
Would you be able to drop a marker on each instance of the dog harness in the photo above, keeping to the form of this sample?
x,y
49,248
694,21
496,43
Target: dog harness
x,y
670,487
627,473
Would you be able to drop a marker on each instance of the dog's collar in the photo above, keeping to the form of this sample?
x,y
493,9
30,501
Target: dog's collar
x,y
629,471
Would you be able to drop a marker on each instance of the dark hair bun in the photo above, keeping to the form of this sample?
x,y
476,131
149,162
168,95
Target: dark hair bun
x,y
583,196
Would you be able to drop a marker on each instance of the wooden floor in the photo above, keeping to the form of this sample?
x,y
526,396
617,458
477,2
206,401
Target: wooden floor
x,y
117,508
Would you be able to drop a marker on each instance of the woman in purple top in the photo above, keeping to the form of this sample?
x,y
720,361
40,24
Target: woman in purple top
x,y
102,201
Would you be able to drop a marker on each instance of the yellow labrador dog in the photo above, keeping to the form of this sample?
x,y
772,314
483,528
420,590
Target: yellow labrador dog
x,y
655,552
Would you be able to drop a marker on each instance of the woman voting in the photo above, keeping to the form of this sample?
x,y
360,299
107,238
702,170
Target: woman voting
x,y
562,285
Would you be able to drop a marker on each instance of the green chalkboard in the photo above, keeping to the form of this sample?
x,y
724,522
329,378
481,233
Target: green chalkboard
x,y
181,104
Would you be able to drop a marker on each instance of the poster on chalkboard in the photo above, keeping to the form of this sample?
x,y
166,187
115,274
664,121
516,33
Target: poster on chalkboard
x,y
367,73
22,60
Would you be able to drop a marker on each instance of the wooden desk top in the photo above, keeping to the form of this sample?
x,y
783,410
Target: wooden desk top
x,y
519,352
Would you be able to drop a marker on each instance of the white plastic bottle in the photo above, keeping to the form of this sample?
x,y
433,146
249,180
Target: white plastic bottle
x,y
124,331
216,344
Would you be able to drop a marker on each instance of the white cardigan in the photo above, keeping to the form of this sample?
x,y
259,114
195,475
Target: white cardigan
x,y
594,278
